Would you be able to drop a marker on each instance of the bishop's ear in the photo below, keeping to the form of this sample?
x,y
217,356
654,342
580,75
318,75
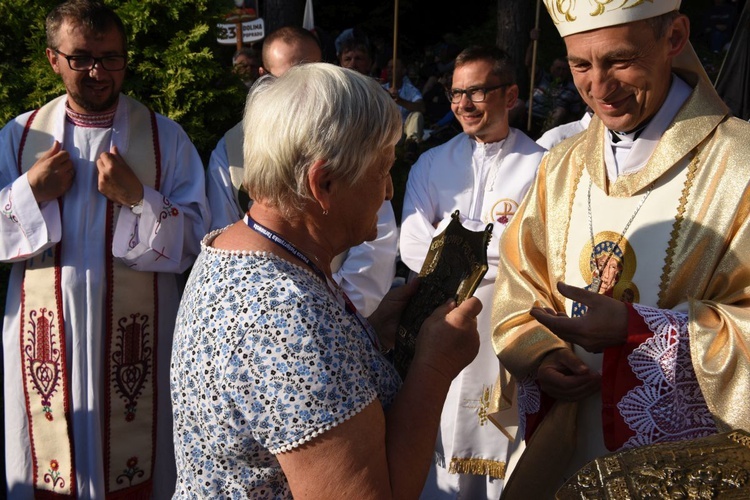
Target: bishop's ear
x,y
679,35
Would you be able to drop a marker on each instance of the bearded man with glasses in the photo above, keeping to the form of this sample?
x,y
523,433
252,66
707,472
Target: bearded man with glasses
x,y
484,173
103,207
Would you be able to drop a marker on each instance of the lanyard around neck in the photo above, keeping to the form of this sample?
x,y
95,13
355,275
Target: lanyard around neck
x,y
283,243
333,288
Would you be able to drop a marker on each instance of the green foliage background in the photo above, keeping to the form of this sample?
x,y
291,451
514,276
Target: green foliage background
x,y
175,65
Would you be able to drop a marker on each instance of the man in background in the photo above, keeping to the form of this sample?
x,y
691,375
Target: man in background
x,y
246,64
410,102
356,54
483,173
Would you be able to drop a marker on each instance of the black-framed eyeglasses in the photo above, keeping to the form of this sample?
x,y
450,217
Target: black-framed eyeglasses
x,y
475,94
87,63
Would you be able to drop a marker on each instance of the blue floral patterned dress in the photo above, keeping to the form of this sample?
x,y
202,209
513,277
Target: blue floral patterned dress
x,y
265,358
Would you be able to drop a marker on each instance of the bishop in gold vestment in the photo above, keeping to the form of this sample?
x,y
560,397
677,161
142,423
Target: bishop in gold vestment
x,y
668,234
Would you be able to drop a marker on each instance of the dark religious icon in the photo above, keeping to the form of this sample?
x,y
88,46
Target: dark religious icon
x,y
716,466
455,264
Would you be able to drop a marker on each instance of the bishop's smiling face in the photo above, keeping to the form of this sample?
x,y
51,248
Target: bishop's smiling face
x,y
624,72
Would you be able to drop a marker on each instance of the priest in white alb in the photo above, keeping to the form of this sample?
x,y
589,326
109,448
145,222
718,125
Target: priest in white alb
x,y
103,206
484,173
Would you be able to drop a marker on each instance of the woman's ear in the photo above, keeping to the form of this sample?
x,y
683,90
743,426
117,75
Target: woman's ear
x,y
321,184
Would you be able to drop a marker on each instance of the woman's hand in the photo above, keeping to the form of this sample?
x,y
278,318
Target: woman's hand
x,y
386,317
448,339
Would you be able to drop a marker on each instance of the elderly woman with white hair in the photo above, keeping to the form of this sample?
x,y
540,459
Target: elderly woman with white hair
x,y
279,387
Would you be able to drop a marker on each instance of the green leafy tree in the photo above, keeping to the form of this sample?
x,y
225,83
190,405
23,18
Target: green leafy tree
x,y
175,64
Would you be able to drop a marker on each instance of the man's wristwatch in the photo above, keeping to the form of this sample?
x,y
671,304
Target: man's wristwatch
x,y
137,208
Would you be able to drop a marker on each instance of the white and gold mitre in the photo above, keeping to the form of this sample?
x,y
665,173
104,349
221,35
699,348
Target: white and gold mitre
x,y
576,16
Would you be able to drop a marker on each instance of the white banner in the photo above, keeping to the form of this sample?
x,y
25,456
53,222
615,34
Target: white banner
x,y
251,31
308,20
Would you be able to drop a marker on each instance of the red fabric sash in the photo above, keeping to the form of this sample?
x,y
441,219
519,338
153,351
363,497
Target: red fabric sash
x,y
617,380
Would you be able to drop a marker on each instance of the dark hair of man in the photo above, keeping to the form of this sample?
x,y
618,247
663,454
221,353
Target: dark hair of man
x,y
357,43
660,24
250,52
502,66
92,15
289,35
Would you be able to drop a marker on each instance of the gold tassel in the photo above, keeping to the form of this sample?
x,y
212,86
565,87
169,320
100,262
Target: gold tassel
x,y
478,466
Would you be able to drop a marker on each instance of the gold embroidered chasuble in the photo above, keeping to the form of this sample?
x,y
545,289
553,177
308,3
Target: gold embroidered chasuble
x,y
703,265
130,370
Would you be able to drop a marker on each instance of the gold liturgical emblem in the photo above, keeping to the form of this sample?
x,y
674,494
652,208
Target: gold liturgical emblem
x,y
562,10
502,211
481,405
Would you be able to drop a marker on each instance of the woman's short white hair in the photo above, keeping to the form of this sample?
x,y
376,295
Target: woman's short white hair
x,y
314,111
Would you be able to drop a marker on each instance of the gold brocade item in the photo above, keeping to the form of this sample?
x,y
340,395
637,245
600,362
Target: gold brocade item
x,y
455,264
716,466
701,236
477,466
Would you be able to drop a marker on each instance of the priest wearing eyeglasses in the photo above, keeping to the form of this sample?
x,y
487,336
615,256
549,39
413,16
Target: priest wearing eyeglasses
x,y
483,173
103,206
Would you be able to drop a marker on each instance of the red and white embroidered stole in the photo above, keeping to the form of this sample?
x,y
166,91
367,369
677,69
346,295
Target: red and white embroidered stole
x,y
131,339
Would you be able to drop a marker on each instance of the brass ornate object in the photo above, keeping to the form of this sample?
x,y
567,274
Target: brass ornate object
x,y
717,466
455,265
